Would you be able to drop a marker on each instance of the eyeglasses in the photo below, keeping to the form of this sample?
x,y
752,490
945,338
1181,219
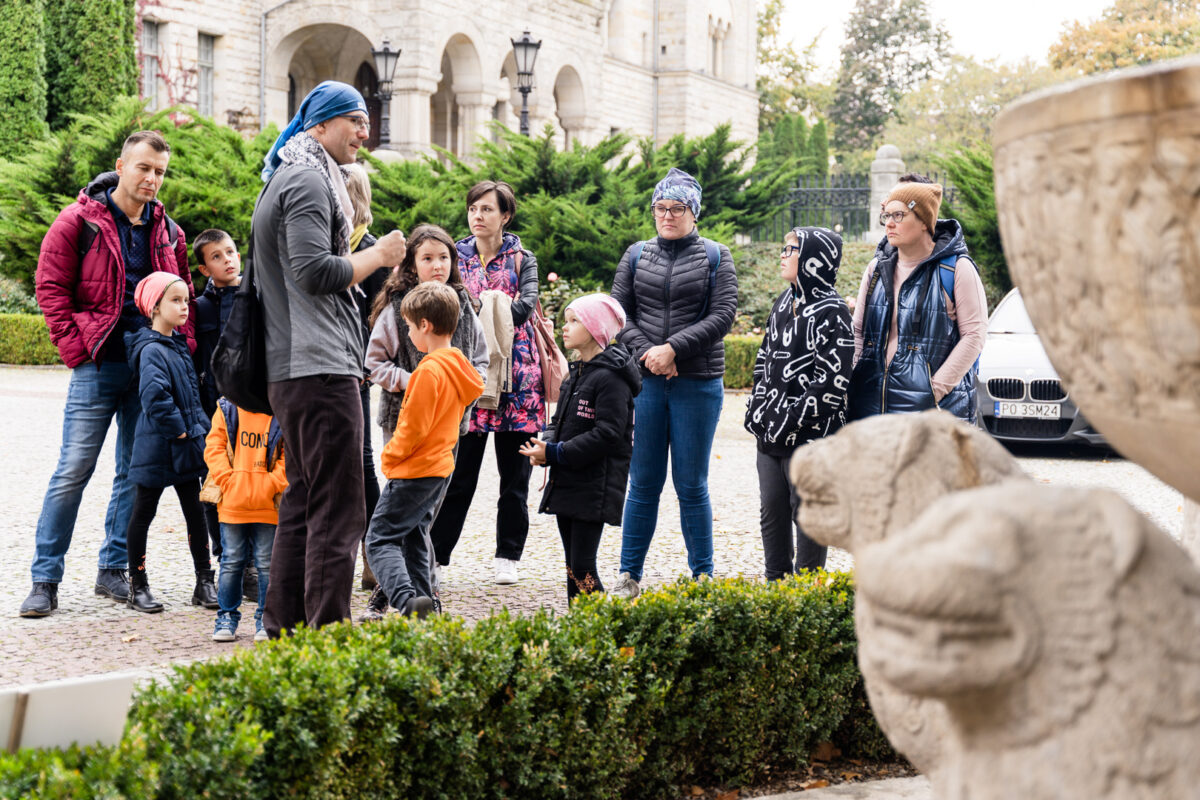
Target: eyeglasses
x,y
897,216
662,212
360,123
788,249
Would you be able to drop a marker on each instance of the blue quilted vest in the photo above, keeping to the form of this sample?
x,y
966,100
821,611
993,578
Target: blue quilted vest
x,y
926,337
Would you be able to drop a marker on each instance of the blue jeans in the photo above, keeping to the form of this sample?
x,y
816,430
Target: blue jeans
x,y
680,416
94,397
236,541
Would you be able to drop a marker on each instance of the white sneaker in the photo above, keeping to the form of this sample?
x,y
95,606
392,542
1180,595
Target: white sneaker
x,y
441,571
625,587
506,571
261,635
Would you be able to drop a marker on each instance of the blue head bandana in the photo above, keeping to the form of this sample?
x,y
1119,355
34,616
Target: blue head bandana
x,y
678,185
330,99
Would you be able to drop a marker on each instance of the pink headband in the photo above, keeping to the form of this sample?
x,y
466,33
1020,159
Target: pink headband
x,y
601,315
151,289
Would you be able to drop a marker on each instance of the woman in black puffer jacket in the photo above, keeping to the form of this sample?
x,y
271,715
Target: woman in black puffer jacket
x,y
679,292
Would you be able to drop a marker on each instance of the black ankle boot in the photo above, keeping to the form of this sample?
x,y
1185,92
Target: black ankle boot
x,y
250,583
140,598
205,593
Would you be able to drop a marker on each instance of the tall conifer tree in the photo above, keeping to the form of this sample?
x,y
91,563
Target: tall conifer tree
x,y
91,56
22,75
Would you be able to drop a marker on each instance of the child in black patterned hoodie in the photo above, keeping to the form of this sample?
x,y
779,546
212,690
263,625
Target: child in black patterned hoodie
x,y
801,375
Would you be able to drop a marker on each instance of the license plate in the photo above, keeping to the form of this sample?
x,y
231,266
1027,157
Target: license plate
x,y
1029,410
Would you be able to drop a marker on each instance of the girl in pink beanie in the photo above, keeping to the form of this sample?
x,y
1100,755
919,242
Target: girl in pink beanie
x,y
590,439
168,447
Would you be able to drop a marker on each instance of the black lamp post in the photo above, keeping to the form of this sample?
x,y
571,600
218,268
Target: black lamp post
x,y
385,67
525,52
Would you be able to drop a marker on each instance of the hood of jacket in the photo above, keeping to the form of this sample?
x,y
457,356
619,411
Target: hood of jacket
x,y
616,357
466,247
460,375
820,257
98,188
137,341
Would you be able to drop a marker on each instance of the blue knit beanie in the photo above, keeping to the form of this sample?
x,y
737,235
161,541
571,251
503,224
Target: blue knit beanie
x,y
330,99
678,185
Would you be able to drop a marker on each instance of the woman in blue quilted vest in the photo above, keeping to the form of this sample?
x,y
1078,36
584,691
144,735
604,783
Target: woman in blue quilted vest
x,y
915,342
679,292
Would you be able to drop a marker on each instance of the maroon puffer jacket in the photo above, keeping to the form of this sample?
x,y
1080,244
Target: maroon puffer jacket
x,y
82,298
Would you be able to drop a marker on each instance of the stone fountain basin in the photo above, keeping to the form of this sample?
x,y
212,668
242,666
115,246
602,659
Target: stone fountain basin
x,y
1098,196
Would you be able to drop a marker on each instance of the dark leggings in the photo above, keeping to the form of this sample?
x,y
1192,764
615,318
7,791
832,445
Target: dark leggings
x,y
145,505
581,541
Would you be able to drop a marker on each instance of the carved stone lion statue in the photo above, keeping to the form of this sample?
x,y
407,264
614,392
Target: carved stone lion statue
x,y
867,482
1059,632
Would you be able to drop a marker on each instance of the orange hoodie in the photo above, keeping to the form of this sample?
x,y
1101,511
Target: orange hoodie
x,y
439,391
248,490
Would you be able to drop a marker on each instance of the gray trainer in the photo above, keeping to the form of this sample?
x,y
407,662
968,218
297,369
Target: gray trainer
x,y
625,587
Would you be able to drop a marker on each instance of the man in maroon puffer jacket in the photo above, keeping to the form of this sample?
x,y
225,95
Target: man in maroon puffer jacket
x,y
93,256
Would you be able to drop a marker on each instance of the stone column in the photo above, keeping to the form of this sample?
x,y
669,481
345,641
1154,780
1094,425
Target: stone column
x,y
410,116
886,170
474,113
1190,535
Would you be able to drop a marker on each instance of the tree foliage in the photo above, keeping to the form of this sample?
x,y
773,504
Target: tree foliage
x,y
792,140
212,178
90,56
970,171
579,209
22,74
892,46
1129,33
784,79
955,110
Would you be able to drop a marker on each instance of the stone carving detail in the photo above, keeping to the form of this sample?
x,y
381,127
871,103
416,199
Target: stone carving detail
x,y
1098,196
1059,632
901,466
1016,640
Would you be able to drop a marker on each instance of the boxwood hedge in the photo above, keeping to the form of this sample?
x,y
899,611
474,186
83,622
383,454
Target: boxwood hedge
x,y
25,339
718,681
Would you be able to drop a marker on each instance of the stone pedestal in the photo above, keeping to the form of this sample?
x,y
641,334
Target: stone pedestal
x,y
886,170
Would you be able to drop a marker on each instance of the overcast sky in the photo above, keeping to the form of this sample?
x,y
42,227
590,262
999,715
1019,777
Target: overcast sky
x,y
1009,30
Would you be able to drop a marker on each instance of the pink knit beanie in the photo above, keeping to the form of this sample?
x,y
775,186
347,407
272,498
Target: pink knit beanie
x,y
601,315
151,289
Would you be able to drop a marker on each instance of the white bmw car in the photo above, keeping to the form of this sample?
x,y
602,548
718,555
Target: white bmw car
x,y
1020,397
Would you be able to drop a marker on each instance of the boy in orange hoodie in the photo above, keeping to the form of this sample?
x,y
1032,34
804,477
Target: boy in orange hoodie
x,y
244,454
418,459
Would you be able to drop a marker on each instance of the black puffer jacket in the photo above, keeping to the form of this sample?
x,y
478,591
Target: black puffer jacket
x,y
590,439
666,296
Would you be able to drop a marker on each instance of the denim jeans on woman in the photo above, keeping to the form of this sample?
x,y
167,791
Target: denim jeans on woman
x,y
95,396
239,543
676,417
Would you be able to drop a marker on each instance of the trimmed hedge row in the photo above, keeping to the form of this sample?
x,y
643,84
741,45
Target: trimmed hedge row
x,y
25,339
718,681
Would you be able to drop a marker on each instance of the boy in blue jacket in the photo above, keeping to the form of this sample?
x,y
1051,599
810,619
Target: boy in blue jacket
x,y
168,447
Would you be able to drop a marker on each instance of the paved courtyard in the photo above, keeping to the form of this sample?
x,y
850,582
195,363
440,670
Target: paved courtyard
x,y
90,634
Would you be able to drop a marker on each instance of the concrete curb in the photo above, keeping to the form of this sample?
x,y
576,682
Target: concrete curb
x,y
891,789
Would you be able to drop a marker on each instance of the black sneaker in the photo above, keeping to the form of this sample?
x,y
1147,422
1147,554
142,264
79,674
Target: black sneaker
x,y
377,606
41,601
418,607
113,584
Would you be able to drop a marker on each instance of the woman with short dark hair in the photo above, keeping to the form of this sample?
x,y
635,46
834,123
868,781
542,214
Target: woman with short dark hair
x,y
492,259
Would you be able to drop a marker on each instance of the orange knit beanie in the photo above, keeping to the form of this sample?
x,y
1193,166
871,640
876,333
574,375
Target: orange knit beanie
x,y
922,199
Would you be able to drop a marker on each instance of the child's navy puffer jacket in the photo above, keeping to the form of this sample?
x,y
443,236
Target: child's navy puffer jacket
x,y
590,439
169,392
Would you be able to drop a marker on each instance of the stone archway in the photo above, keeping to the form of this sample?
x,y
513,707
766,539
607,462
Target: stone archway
x,y
570,105
458,109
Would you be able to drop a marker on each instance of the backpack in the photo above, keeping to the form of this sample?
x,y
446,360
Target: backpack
x,y
714,261
274,435
88,231
554,363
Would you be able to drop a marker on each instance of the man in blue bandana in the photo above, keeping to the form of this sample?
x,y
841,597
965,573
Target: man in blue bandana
x,y
305,272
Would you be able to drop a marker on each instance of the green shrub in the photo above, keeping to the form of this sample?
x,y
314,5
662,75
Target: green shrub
x,y
717,681
22,74
15,300
90,56
970,172
739,360
25,339
759,282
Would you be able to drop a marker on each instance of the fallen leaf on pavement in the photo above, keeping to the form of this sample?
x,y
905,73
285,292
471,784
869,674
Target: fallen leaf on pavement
x,y
730,795
820,783
697,791
133,637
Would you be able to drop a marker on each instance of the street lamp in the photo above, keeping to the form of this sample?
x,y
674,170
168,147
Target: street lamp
x,y
385,68
525,52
